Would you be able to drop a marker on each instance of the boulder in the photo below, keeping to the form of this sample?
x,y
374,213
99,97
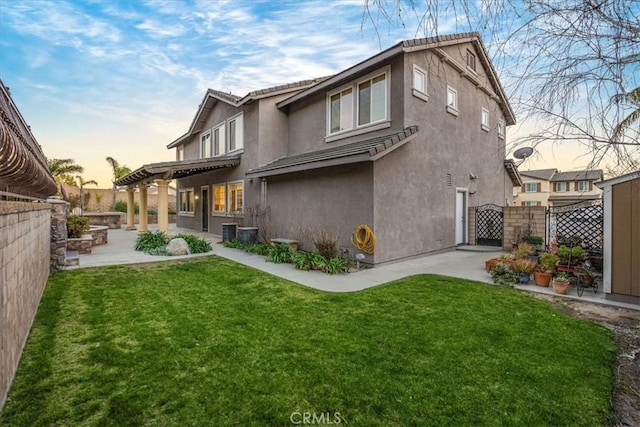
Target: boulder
x,y
178,246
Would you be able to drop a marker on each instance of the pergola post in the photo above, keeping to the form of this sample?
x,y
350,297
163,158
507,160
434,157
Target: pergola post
x,y
130,208
163,204
143,214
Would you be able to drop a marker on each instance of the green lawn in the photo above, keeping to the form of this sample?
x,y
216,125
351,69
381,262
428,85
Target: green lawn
x,y
211,342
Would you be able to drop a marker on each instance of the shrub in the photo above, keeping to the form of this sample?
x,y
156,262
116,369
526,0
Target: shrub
x,y
326,242
575,254
77,225
302,260
233,244
336,265
548,261
533,240
522,250
524,266
279,254
504,276
196,244
121,206
151,240
260,249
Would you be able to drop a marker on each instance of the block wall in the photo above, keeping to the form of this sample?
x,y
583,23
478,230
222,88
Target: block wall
x,y
519,219
25,239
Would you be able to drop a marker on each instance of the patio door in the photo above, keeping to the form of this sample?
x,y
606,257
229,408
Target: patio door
x,y
461,216
204,196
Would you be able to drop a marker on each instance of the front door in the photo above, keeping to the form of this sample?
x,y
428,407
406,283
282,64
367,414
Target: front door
x,y
461,217
204,193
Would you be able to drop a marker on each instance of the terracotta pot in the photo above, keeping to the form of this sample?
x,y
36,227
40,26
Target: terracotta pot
x,y
561,287
542,278
491,263
587,281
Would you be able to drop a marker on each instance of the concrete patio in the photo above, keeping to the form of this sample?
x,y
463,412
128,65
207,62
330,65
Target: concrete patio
x,y
466,264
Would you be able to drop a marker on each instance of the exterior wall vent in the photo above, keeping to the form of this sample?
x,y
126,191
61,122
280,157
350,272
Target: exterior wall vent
x,y
448,180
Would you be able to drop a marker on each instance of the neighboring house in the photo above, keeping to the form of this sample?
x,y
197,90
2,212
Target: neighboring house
x,y
404,141
549,187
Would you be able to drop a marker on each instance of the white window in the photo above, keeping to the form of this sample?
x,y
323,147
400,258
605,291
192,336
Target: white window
x,y
372,100
530,203
342,111
236,196
235,133
452,100
531,187
187,201
219,198
346,112
561,187
471,60
205,145
218,140
180,153
583,186
501,129
485,120
419,82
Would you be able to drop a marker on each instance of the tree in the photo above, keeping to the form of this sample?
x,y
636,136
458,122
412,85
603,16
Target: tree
x,y
81,183
119,171
62,171
570,67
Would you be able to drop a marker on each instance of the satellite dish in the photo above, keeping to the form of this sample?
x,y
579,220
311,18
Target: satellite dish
x,y
523,153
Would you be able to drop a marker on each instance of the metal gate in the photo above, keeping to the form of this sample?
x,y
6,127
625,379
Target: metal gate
x,y
577,224
489,225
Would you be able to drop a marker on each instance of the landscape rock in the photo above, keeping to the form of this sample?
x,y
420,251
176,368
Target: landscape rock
x,y
178,246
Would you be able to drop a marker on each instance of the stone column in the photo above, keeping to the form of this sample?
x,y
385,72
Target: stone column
x,y
143,214
130,208
163,204
59,211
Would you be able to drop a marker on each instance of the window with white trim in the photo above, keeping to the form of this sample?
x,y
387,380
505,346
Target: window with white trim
x,y
582,186
218,140
362,104
205,145
485,120
501,129
419,82
235,140
219,198
561,187
236,196
531,187
187,201
452,100
531,203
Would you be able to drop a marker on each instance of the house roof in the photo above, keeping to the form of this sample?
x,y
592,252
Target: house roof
x,y
576,197
542,174
512,170
177,169
435,43
367,150
578,175
618,180
212,96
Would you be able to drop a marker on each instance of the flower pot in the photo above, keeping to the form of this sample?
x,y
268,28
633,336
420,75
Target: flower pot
x,y
524,278
491,263
587,281
561,286
542,278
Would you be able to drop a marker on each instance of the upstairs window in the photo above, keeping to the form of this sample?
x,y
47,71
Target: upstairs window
x,y
342,111
561,187
583,186
372,100
471,60
235,133
531,187
501,129
531,203
218,140
180,153
452,100
485,120
205,145
419,83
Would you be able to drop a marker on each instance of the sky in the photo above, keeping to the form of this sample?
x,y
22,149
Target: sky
x,y
124,78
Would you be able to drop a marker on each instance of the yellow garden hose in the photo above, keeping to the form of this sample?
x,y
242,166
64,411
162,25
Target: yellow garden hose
x,y
365,240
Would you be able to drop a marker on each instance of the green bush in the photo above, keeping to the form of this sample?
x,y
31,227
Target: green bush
x,y
151,241
77,225
259,248
504,276
279,254
196,244
336,265
121,206
302,260
233,244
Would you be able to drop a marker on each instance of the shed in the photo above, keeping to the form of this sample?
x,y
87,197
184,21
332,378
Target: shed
x,y
621,274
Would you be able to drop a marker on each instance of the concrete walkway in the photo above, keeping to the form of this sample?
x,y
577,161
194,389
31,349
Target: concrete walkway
x,y
466,264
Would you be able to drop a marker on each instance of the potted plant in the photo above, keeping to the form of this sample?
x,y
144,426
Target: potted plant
x,y
561,283
523,250
587,276
542,275
524,268
569,258
503,275
491,263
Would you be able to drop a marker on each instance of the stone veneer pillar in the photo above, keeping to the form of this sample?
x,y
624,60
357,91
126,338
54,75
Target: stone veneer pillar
x,y
59,211
130,208
144,214
163,204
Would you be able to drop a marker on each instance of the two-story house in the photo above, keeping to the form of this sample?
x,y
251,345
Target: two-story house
x,y
549,187
404,141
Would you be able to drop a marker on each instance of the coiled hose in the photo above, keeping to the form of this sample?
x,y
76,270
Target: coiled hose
x,y
364,239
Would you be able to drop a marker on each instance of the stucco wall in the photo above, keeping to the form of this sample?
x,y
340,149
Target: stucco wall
x,y
25,231
337,198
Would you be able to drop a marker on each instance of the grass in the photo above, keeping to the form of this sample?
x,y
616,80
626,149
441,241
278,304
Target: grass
x,y
211,342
